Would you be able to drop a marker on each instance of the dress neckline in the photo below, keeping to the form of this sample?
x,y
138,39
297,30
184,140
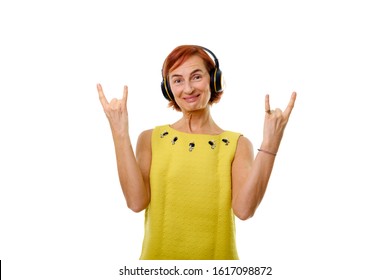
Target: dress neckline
x,y
194,134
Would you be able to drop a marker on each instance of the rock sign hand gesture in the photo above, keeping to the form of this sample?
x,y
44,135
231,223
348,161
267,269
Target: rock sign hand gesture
x,y
275,122
116,111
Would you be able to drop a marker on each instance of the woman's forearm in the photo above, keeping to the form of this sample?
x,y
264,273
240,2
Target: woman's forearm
x,y
254,187
130,176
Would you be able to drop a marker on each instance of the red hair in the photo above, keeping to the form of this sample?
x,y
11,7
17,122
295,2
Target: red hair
x,y
178,56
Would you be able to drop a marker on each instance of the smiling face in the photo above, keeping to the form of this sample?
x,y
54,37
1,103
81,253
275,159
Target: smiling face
x,y
190,84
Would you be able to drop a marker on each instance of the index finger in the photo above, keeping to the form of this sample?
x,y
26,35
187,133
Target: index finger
x,y
267,106
290,105
102,97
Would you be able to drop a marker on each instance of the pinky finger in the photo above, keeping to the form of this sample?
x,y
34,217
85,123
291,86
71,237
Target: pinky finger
x,y
291,104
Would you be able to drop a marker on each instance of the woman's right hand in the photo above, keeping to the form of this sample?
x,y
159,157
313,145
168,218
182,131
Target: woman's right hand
x,y
116,111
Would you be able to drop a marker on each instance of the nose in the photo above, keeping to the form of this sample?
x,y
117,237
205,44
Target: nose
x,y
188,89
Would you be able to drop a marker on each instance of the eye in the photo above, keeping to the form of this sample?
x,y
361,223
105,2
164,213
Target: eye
x,y
197,77
177,80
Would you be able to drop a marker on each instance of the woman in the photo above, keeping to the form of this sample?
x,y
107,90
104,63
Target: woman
x,y
192,176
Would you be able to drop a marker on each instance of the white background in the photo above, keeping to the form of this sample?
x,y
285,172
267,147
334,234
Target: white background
x,y
325,214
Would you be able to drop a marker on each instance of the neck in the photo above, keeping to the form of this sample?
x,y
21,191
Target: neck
x,y
199,122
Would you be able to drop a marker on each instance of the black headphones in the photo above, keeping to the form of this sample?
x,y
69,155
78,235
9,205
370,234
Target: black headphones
x,y
216,79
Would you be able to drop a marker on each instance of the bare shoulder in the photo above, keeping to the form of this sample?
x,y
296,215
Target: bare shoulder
x,y
145,135
244,145
244,152
144,140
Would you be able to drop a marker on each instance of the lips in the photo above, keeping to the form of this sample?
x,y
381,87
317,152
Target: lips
x,y
191,98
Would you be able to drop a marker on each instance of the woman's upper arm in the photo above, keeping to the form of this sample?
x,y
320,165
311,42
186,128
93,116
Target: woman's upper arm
x,y
242,162
144,154
241,166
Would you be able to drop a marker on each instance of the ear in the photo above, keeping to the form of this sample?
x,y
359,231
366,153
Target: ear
x,y
166,90
217,82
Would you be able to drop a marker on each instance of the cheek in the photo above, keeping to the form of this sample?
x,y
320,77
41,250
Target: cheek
x,y
207,91
206,88
176,92
208,95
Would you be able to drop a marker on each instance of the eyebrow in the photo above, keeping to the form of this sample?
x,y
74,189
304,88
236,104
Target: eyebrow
x,y
193,72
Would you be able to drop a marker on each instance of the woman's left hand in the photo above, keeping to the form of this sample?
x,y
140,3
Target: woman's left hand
x,y
275,122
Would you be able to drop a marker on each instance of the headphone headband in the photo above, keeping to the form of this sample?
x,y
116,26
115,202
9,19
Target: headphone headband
x,y
213,55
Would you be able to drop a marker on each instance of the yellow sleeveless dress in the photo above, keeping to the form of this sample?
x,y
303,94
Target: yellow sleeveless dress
x,y
190,214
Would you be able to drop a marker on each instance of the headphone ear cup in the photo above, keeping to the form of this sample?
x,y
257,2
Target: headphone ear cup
x,y
216,80
166,90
